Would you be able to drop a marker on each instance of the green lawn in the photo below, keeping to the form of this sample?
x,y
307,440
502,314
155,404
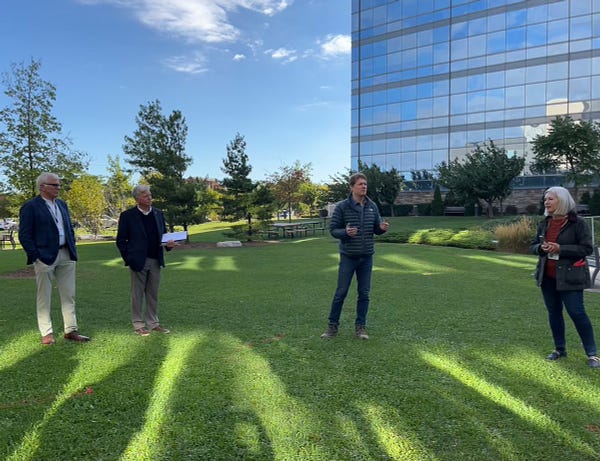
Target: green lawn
x,y
454,369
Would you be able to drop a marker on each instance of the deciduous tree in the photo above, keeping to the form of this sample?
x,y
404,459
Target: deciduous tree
x,y
286,184
571,147
31,141
86,202
117,189
485,174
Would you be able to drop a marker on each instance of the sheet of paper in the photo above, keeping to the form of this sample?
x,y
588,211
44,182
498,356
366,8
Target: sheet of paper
x,y
176,236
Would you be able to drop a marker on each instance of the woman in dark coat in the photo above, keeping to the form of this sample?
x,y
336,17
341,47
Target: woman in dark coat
x,y
562,243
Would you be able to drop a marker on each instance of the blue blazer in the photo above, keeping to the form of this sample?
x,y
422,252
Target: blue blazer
x,y
132,240
38,233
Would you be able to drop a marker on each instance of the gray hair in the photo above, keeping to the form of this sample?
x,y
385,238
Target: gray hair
x,y
44,178
565,201
140,189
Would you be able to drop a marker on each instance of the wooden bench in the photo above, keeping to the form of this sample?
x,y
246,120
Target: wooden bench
x,y
454,211
583,210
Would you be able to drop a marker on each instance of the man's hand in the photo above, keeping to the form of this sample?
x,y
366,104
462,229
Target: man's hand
x,y
384,225
351,231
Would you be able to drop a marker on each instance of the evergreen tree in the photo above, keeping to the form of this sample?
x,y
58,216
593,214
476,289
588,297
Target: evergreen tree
x,y
437,205
236,201
157,151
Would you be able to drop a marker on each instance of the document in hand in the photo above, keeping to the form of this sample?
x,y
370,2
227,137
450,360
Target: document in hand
x,y
176,236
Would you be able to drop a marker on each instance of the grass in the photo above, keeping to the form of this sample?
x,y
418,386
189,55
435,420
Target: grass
x,y
454,369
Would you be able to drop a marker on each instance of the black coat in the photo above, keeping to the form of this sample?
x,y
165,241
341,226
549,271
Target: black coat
x,y
132,240
575,240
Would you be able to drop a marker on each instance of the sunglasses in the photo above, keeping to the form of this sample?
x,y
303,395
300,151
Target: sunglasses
x,y
53,185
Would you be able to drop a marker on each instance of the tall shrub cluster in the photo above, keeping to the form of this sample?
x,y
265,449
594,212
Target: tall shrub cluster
x,y
516,236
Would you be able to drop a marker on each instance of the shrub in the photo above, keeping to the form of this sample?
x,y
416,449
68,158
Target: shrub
x,y
424,209
402,210
394,237
511,210
594,203
476,239
238,232
532,209
516,236
432,237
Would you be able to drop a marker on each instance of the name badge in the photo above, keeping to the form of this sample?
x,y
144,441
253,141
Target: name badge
x,y
553,256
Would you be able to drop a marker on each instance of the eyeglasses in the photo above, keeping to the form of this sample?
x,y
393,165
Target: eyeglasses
x,y
53,185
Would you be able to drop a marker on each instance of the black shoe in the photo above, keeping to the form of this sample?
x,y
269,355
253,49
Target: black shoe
x,y
593,361
555,355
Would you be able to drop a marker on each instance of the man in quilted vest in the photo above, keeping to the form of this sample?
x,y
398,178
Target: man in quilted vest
x,y
354,223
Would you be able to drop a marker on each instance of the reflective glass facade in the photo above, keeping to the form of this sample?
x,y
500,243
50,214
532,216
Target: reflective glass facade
x,y
430,78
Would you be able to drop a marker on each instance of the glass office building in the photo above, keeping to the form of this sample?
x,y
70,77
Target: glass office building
x,y
431,78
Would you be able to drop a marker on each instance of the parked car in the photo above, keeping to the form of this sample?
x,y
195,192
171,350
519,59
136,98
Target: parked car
x,y
108,222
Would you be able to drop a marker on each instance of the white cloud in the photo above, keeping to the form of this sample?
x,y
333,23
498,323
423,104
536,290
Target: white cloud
x,y
239,57
195,20
336,45
195,64
283,54
313,105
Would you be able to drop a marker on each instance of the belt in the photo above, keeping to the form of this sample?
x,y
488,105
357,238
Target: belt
x,y
63,246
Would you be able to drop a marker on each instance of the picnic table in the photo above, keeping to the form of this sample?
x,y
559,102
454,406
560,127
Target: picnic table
x,y
296,229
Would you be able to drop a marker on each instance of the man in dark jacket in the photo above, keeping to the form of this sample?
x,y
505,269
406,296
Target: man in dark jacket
x,y
354,222
47,236
139,240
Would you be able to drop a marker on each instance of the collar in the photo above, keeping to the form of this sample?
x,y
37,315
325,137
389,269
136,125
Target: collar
x,y
48,201
145,213
351,198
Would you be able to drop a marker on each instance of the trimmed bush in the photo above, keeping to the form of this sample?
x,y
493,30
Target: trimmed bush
x,y
394,237
438,237
475,239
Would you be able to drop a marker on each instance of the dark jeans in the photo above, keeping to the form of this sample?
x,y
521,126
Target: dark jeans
x,y
573,302
362,266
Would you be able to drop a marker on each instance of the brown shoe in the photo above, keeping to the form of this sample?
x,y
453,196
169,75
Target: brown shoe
x,y
162,330
75,336
141,331
48,340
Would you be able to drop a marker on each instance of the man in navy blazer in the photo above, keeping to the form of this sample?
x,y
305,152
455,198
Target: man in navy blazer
x,y
139,237
47,236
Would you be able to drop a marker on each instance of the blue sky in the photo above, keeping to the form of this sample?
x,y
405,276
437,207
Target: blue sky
x,y
276,71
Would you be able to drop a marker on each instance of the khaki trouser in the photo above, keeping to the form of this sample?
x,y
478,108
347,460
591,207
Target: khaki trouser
x,y
63,270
